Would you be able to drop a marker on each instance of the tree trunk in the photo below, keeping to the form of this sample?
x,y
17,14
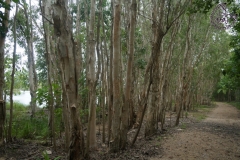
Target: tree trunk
x,y
110,91
66,52
158,34
31,62
100,44
106,75
128,97
117,100
12,78
46,12
183,77
91,141
2,45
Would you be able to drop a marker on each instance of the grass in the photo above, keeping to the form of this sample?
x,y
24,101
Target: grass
x,y
183,126
159,138
23,126
17,106
235,104
201,117
201,112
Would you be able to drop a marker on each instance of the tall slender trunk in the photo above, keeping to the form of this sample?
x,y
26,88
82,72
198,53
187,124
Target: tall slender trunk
x,y
105,76
66,52
46,12
165,75
91,140
103,95
31,62
110,88
101,66
183,77
79,49
158,35
128,97
117,96
12,77
2,45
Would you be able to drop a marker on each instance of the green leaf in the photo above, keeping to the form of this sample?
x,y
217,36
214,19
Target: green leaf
x,y
224,91
16,1
219,90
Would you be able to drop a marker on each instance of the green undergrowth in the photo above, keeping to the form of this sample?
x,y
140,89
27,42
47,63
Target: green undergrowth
x,y
17,107
27,127
201,112
183,126
235,104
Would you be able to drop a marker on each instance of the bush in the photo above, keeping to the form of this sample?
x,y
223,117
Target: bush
x,y
235,104
17,106
23,126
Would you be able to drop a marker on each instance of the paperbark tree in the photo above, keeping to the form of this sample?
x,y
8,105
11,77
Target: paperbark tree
x,y
66,52
12,77
127,111
158,34
4,30
91,139
117,95
162,22
110,84
104,64
28,33
45,9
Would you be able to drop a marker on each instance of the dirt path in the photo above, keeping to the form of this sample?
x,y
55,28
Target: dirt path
x,y
215,138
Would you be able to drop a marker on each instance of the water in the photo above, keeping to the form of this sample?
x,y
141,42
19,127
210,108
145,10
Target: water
x,y
25,98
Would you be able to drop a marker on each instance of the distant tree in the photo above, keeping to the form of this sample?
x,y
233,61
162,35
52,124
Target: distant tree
x,y
12,77
4,17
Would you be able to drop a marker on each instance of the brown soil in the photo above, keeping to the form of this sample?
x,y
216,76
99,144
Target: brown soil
x,y
215,138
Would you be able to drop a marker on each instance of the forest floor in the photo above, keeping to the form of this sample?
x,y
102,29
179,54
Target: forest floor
x,y
210,133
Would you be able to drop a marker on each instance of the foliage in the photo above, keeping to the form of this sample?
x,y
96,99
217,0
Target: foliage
x,y
18,107
41,64
231,71
226,83
204,6
202,111
43,94
46,157
32,128
21,75
6,6
236,104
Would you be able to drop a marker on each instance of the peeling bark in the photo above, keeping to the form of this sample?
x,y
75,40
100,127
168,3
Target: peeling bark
x,y
66,52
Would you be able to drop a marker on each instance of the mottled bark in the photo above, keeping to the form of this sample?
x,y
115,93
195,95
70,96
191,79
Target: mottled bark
x,y
12,77
46,13
91,139
158,35
32,75
117,100
66,52
2,45
110,88
126,115
182,76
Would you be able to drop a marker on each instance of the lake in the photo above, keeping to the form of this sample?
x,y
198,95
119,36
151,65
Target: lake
x,y
24,97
